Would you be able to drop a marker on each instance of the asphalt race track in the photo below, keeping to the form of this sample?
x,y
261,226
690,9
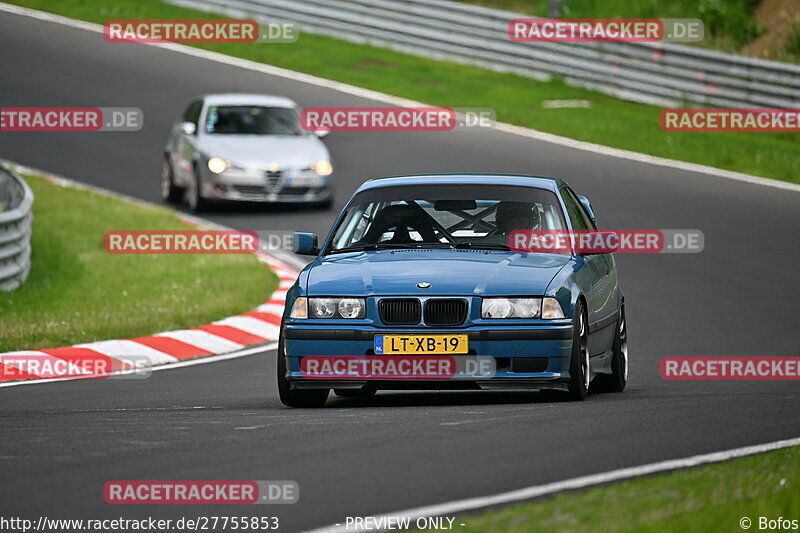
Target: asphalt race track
x,y
61,442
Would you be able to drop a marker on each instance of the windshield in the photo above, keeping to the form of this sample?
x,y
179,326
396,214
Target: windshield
x,y
446,216
252,120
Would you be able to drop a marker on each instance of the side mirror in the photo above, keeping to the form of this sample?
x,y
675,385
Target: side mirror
x,y
188,128
588,207
304,244
321,133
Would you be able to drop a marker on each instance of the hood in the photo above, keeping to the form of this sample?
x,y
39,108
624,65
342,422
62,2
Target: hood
x,y
260,150
450,272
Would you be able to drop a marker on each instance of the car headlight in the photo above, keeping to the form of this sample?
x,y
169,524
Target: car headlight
x,y
323,167
348,308
217,165
299,308
551,308
510,307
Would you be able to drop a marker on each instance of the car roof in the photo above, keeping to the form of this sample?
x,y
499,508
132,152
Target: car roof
x,y
248,99
539,182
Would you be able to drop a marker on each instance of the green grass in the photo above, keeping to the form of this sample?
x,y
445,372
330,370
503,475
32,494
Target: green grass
x,y
793,43
515,99
76,292
728,23
702,500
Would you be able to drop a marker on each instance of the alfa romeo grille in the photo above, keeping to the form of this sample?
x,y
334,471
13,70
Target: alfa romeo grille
x,y
274,179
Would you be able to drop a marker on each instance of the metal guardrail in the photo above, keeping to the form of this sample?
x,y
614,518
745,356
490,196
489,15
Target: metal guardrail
x,y
654,73
16,216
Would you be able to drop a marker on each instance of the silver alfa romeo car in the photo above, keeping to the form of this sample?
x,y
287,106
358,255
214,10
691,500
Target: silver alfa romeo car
x,y
245,147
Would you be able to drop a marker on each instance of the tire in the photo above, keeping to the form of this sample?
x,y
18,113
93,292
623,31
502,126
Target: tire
x,y
314,398
616,381
170,192
195,202
367,392
579,371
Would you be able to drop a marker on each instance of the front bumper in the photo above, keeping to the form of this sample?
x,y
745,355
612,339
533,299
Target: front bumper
x,y
525,357
240,193
254,186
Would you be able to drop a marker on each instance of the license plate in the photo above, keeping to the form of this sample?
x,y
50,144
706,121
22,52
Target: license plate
x,y
421,344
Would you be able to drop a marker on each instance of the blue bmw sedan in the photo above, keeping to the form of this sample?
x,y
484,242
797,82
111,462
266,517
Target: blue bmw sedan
x,y
421,269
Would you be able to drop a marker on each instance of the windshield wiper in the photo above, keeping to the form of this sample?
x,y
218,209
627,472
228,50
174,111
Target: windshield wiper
x,y
383,246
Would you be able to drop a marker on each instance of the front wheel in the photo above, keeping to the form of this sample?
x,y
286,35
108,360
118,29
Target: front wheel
x,y
169,191
313,398
194,199
579,370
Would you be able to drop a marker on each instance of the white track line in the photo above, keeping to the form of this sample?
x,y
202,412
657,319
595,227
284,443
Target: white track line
x,y
537,491
169,366
404,102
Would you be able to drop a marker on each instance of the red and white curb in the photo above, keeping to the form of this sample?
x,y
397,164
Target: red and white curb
x,y
234,334
231,334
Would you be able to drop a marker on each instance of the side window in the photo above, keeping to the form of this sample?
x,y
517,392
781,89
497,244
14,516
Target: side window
x,y
364,222
192,113
580,220
585,215
354,226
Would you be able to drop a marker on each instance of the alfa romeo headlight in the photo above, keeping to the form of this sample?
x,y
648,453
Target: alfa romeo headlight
x,y
511,307
348,308
323,167
217,165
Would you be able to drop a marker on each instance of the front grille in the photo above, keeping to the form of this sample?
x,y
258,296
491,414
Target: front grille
x,y
445,312
400,311
250,189
261,190
273,179
295,191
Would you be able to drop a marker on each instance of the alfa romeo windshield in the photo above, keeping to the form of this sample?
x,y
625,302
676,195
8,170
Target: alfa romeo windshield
x,y
253,120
